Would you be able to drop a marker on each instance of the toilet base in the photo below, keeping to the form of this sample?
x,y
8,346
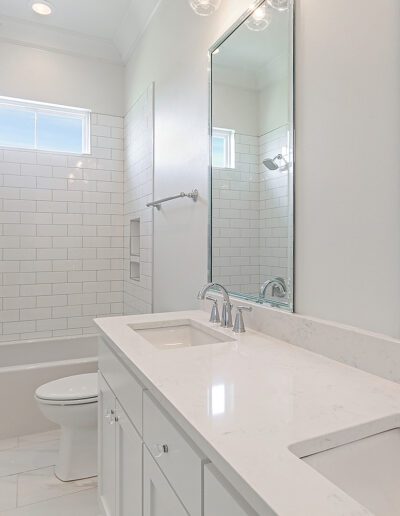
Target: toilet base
x,y
77,456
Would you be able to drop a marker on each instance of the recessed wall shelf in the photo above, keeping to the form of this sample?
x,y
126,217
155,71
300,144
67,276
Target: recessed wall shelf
x,y
134,272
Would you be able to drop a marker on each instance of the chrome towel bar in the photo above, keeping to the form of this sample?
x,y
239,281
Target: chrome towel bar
x,y
157,204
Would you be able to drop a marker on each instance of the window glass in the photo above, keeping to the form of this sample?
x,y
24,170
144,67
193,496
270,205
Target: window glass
x,y
218,152
223,148
17,128
36,125
58,133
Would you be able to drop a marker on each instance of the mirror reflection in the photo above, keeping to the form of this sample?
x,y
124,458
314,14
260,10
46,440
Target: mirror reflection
x,y
251,157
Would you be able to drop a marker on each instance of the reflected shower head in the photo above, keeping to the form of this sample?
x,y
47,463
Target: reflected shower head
x,y
271,163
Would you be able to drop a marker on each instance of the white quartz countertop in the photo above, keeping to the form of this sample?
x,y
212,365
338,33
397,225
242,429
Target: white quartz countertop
x,y
255,404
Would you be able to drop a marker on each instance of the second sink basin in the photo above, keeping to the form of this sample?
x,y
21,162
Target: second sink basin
x,y
367,470
178,334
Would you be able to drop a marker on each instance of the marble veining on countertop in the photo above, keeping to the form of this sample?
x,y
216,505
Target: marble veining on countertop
x,y
256,404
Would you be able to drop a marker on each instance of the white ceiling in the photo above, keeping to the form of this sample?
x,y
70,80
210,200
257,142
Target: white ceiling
x,y
107,29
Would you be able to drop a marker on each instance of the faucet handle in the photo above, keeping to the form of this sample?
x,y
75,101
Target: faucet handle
x,y
239,326
214,317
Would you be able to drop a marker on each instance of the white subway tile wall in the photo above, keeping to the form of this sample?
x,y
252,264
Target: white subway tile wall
x,y
274,208
138,190
61,237
236,219
250,209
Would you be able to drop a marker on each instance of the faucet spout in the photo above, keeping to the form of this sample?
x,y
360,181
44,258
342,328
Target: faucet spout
x,y
226,318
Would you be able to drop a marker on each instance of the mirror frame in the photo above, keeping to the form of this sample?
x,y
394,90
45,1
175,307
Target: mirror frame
x,y
289,305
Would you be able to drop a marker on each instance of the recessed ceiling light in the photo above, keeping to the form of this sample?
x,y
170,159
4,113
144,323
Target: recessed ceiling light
x,y
42,8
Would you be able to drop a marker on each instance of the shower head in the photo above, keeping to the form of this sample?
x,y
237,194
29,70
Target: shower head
x,y
271,163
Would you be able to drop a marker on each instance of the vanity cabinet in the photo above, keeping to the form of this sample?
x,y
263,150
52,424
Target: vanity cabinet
x,y
120,458
159,498
148,466
128,469
107,447
220,497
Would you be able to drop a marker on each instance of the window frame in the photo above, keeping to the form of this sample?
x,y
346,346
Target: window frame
x,y
228,135
44,108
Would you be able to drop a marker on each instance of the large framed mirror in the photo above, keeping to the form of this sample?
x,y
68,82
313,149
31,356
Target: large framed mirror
x,y
252,156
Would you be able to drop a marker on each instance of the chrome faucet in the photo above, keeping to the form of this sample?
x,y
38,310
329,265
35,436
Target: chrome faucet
x,y
214,317
279,288
239,326
226,316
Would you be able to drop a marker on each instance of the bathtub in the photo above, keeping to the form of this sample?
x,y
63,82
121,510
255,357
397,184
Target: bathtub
x,y
25,365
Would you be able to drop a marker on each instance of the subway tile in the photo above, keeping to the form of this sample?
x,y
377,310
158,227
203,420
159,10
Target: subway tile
x,y
54,300
19,205
33,314
36,170
17,156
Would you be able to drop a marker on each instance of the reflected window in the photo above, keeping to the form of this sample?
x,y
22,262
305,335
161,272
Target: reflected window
x,y
218,399
39,126
223,148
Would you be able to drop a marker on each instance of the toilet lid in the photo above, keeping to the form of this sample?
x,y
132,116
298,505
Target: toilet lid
x,y
78,387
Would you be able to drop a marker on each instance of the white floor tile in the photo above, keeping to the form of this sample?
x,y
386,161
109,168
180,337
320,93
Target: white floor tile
x,y
8,493
8,444
42,484
28,440
77,504
28,458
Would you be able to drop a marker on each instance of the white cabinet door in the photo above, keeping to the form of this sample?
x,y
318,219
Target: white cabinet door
x,y
128,466
106,422
159,499
220,498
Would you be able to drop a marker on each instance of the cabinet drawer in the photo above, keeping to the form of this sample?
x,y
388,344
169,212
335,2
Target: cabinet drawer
x,y
181,462
124,384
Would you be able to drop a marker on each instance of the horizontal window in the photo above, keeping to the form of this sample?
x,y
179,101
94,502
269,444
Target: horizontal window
x,y
39,126
223,148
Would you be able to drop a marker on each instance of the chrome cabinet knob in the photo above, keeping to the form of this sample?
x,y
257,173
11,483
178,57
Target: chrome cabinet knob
x,y
110,417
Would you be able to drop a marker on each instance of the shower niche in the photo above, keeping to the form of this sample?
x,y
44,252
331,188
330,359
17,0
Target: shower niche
x,y
251,156
134,247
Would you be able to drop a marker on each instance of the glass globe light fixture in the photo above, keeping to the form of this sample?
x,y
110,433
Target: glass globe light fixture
x,y
279,5
204,7
260,19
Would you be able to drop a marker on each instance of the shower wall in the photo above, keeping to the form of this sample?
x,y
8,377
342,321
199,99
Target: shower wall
x,y
138,219
236,219
61,243
274,206
250,203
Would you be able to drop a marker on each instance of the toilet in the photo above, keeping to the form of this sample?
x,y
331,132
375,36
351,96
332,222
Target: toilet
x,y
71,403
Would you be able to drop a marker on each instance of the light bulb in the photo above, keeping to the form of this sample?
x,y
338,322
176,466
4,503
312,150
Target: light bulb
x,y
260,19
204,7
279,5
42,8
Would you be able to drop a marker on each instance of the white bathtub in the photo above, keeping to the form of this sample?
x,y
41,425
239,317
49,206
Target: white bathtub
x,y
26,365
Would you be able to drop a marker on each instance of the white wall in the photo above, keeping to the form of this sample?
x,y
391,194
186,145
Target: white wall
x,y
58,78
348,154
236,108
348,162
173,54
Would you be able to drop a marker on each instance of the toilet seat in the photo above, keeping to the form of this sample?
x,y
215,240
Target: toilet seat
x,y
72,390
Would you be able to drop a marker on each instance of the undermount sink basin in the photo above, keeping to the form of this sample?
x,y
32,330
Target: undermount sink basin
x,y
368,470
178,334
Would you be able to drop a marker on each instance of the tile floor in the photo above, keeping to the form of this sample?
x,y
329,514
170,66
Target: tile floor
x,y
28,486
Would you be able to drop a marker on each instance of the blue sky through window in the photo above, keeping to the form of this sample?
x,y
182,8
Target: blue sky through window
x,y
218,152
35,125
58,133
17,128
